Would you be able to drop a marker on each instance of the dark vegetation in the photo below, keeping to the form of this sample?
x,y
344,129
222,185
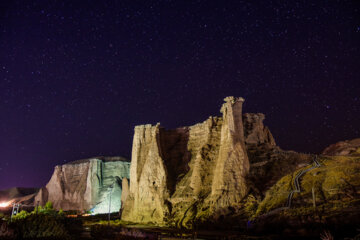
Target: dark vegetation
x,y
42,223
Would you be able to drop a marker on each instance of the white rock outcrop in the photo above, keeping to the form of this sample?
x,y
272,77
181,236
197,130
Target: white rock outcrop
x,y
94,184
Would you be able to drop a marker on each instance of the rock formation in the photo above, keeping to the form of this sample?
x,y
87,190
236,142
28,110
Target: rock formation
x,y
90,184
18,195
196,172
268,161
349,147
255,131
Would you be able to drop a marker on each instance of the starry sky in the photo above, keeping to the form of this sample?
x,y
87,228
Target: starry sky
x,y
77,76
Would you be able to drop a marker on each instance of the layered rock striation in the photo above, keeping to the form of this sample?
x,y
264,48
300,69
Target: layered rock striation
x,y
93,184
192,173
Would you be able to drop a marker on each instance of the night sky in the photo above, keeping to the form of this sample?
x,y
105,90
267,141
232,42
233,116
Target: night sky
x,y
77,76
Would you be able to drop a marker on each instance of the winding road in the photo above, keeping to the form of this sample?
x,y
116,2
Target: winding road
x,y
296,181
297,189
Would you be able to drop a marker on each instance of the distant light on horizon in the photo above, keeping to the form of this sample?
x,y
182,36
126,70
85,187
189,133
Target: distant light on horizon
x,y
4,204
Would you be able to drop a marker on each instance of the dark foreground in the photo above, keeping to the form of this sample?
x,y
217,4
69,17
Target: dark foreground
x,y
52,225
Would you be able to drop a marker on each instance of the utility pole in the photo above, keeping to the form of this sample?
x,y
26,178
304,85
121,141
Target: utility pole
x,y
12,212
313,195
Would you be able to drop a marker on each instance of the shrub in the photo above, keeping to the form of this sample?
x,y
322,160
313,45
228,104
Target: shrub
x,y
49,206
40,226
21,215
47,209
61,212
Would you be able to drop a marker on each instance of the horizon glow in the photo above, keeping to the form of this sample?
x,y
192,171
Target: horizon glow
x,y
4,204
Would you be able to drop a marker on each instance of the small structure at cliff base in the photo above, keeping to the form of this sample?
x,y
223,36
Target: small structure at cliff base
x,y
87,185
186,174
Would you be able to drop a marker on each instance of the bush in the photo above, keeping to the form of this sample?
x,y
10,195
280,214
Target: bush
x,y
40,226
21,215
43,222
61,212
49,206
47,209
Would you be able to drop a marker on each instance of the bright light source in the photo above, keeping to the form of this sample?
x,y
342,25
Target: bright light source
x,y
4,204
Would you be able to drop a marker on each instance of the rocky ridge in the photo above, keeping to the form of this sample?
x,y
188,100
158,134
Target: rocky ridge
x,y
18,194
343,148
197,173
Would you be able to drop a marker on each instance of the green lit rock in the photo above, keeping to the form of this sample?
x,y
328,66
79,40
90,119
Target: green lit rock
x,y
93,184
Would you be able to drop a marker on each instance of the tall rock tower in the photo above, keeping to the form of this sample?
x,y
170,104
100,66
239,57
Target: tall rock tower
x,y
232,164
148,185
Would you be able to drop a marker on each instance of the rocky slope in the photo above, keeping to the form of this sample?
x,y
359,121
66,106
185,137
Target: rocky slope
x,y
349,147
202,172
88,184
329,199
335,183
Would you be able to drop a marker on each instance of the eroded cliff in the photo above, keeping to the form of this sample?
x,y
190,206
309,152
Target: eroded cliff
x,y
87,184
188,173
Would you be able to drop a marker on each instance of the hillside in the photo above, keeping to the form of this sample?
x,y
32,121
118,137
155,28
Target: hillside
x,y
18,194
329,199
336,184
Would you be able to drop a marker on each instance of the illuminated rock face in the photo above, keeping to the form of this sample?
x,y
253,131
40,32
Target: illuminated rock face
x,y
87,184
188,173
148,190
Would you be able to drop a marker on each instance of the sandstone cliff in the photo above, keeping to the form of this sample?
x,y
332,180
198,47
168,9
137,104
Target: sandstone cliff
x,y
192,173
87,185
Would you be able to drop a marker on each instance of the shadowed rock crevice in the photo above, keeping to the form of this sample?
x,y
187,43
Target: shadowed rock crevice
x,y
175,154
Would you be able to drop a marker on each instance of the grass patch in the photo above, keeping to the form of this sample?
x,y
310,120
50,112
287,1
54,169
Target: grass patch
x,y
276,196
